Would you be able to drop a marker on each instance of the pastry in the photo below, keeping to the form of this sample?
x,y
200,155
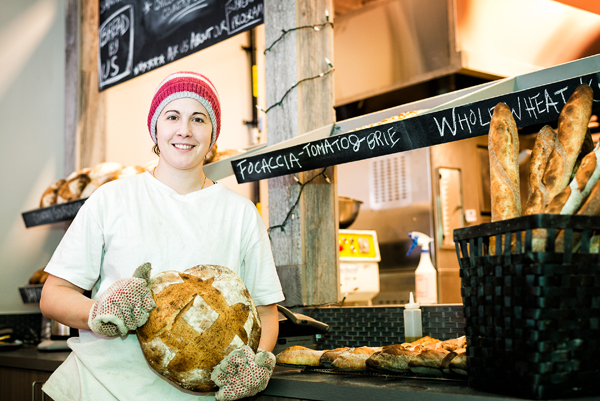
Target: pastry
x,y
50,195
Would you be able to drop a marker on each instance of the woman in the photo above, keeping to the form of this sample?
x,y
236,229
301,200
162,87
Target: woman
x,y
173,217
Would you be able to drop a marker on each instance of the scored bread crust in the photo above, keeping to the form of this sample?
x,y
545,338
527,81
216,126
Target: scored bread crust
x,y
392,358
573,123
299,355
503,146
354,358
329,356
202,315
542,148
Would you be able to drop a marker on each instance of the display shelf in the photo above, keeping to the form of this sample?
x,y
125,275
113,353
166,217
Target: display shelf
x,y
52,214
534,98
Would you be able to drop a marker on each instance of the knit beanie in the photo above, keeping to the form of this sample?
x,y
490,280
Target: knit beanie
x,y
186,84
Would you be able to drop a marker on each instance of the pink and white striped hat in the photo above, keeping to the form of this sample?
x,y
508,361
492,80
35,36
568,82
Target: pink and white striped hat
x,y
186,84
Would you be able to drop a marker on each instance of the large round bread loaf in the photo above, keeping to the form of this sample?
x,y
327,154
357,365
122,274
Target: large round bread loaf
x,y
202,315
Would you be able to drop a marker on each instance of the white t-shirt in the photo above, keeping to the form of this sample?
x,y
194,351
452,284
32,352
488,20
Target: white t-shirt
x,y
135,220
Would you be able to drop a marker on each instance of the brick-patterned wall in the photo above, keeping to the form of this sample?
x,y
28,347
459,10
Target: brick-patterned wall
x,y
26,327
376,326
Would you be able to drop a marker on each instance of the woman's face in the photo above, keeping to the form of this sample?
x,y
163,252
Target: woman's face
x,y
183,132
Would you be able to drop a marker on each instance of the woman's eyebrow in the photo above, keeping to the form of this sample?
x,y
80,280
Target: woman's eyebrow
x,y
200,112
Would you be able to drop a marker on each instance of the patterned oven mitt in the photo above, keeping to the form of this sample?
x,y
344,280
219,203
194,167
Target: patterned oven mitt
x,y
242,373
124,306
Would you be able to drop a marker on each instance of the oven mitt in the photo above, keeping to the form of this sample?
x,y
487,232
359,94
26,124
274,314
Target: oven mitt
x,y
124,306
242,373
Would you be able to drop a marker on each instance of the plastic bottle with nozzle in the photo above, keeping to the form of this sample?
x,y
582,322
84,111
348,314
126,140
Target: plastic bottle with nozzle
x,y
425,275
413,326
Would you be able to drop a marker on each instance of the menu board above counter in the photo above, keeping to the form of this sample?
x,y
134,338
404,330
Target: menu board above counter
x,y
461,119
137,36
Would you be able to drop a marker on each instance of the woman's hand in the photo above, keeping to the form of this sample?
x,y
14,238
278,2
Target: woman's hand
x,y
124,306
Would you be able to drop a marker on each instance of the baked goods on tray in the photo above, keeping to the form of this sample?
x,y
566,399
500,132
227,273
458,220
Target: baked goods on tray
x,y
426,356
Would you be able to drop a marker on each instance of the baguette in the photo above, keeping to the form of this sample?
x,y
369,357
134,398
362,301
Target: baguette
x,y
570,199
542,148
591,207
572,129
503,147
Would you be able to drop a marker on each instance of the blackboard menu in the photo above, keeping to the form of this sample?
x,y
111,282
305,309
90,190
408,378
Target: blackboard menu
x,y
530,107
137,36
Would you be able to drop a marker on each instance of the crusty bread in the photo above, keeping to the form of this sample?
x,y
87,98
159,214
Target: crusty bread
x,y
455,362
570,199
503,146
71,189
572,129
129,171
201,316
391,358
50,196
329,356
542,148
428,362
354,358
591,207
105,172
299,355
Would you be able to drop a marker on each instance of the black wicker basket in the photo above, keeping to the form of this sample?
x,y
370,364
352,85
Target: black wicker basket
x,y
532,318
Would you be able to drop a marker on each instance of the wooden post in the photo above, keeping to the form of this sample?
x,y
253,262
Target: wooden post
x,y
306,249
85,133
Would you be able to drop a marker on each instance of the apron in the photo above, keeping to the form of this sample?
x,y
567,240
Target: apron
x,y
111,368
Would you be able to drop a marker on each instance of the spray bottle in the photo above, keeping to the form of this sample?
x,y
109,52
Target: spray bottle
x,y
425,275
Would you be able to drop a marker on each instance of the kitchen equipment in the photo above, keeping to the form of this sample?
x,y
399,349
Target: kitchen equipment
x,y
359,266
298,329
55,335
348,210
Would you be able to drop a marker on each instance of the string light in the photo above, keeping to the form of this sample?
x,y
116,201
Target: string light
x,y
290,213
280,102
316,27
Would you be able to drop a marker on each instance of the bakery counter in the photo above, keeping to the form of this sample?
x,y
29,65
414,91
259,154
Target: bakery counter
x,y
31,358
300,385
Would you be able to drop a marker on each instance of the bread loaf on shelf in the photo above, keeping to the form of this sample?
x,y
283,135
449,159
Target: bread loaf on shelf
x,y
542,148
50,195
72,188
573,123
503,146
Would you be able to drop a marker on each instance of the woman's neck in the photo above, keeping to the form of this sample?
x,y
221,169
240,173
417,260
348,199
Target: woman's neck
x,y
182,181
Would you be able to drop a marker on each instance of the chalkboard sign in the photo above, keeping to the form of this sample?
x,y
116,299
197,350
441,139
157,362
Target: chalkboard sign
x,y
52,214
137,36
534,106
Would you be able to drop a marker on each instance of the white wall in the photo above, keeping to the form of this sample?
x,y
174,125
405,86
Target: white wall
x,y
31,127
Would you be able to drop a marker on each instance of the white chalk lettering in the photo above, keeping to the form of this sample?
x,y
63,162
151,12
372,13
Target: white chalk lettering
x,y
118,26
550,102
197,39
561,93
392,135
445,123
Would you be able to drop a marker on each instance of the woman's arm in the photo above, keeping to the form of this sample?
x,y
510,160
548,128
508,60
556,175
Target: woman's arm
x,y
65,303
269,319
